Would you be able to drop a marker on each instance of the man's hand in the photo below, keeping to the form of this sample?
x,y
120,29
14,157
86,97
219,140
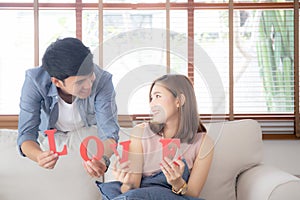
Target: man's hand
x,y
95,168
47,159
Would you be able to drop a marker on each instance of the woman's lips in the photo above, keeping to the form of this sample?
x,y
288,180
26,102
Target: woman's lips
x,y
155,112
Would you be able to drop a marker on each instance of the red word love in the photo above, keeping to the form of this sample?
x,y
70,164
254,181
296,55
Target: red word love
x,y
169,145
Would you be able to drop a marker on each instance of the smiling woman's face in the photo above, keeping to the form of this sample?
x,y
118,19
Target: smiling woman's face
x,y
164,106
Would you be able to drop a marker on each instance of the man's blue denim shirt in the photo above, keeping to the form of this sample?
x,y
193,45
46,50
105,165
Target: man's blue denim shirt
x,y
39,107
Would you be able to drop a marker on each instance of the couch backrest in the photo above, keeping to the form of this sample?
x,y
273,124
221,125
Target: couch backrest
x,y
238,146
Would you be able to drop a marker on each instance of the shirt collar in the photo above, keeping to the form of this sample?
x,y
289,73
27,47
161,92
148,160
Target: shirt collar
x,y
52,91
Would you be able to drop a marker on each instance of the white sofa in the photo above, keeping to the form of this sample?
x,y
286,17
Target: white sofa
x,y
237,170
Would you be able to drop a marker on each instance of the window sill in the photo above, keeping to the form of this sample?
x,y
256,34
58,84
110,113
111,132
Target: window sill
x,y
11,122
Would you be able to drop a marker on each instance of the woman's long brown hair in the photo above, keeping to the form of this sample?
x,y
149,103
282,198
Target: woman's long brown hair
x,y
189,122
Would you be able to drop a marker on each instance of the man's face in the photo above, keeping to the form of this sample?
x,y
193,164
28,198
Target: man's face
x,y
79,86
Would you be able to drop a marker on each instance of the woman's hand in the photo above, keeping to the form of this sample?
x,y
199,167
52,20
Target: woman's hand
x,y
173,172
121,172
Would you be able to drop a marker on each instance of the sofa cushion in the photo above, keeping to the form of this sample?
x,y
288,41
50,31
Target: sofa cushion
x,y
238,146
21,178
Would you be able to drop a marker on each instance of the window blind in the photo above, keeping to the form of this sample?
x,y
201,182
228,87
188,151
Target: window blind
x,y
252,46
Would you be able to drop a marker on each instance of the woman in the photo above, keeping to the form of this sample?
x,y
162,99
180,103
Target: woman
x,y
150,173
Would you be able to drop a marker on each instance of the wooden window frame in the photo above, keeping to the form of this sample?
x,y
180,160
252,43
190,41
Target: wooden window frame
x,y
11,121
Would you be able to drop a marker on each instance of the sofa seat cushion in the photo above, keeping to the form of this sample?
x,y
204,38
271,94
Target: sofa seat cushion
x,y
21,178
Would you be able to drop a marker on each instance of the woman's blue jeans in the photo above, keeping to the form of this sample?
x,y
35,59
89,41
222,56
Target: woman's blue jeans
x,y
153,187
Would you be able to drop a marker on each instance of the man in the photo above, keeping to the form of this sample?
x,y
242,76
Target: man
x,y
66,93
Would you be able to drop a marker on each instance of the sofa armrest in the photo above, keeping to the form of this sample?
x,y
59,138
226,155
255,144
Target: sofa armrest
x,y
267,183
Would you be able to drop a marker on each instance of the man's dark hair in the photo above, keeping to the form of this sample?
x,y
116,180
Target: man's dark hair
x,y
67,57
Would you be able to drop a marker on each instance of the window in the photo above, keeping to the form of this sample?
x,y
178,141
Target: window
x,y
16,55
243,56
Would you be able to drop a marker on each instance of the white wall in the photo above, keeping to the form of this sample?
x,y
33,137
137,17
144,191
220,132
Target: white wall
x,y
284,154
